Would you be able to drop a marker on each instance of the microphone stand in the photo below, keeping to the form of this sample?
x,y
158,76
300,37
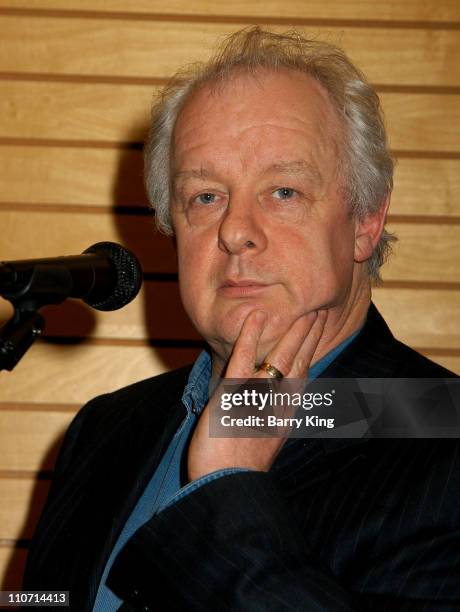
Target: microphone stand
x,y
19,333
45,285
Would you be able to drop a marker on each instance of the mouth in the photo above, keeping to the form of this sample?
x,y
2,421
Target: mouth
x,y
242,287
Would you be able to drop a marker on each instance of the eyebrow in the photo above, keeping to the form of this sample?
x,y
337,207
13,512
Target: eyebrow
x,y
194,173
299,166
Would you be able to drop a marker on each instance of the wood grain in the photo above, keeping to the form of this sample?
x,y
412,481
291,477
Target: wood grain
x,y
68,176
158,48
119,114
420,122
83,111
71,233
419,317
426,187
30,439
425,252
451,362
410,10
75,373
26,497
91,177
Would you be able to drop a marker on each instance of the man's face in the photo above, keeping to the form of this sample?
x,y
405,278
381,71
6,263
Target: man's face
x,y
258,206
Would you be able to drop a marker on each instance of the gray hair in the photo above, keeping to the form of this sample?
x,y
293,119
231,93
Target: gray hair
x,y
366,160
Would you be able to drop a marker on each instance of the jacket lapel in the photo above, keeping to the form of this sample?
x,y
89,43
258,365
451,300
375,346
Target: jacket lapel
x,y
304,462
150,430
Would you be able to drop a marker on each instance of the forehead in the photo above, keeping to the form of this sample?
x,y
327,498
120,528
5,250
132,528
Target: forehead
x,y
277,111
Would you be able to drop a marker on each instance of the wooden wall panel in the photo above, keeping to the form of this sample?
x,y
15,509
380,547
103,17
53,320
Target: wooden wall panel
x,y
71,233
451,362
119,114
446,11
71,176
423,318
406,114
77,372
76,82
158,314
20,492
30,436
420,317
74,111
131,48
113,177
425,252
426,187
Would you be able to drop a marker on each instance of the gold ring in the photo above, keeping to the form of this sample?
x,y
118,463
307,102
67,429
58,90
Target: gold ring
x,y
271,370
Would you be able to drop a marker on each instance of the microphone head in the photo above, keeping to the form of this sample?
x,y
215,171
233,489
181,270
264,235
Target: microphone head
x,y
129,276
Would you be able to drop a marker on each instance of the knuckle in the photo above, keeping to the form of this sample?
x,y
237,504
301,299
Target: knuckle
x,y
245,354
282,363
299,366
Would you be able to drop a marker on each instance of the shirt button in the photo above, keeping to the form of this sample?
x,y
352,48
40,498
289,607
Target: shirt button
x,y
194,409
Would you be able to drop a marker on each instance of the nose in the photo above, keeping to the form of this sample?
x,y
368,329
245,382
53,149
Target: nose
x,y
241,228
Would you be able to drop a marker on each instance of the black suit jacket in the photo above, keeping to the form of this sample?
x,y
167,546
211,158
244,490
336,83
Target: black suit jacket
x,y
334,525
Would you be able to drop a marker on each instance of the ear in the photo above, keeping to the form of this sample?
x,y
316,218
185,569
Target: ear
x,y
368,231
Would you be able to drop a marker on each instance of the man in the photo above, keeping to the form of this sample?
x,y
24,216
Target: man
x,y
270,166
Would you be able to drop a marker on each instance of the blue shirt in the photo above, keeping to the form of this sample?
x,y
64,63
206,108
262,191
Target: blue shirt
x,y
164,487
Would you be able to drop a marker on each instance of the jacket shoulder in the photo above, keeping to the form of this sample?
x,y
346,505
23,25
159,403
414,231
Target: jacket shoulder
x,y
111,414
123,403
412,364
376,353
169,382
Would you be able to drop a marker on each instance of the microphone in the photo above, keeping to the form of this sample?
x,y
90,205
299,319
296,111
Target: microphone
x,y
106,276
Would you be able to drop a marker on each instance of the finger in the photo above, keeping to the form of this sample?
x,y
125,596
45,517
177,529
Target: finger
x,y
283,354
302,360
244,354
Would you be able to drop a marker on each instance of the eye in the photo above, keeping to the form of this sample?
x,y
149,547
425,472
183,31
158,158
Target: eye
x,y
206,198
284,193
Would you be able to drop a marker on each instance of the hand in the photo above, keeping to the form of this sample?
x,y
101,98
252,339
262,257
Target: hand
x,y
292,356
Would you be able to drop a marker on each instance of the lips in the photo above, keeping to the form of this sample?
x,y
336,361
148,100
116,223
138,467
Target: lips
x,y
242,287
243,283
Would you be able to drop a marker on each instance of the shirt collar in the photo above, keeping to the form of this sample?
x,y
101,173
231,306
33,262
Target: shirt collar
x,y
318,368
197,388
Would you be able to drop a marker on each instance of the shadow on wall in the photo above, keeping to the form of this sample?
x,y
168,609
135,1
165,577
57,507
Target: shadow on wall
x,y
12,579
167,326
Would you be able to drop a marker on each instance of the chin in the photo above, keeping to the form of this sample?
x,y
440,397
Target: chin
x,y
230,326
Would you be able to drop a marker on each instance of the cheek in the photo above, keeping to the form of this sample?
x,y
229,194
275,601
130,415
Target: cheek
x,y
339,259
190,248
323,264
195,264
190,263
